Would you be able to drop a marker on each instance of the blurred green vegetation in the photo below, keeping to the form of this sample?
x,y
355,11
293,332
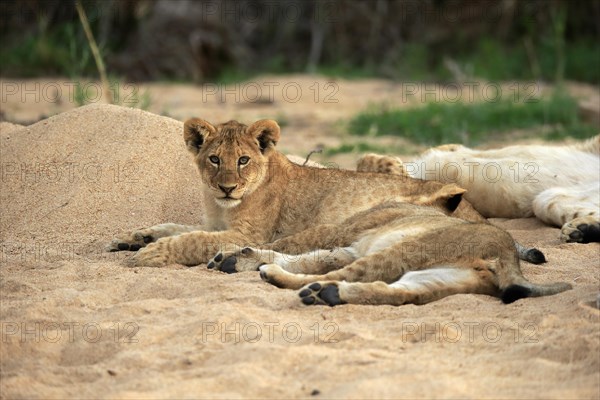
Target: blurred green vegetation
x,y
432,40
63,51
435,123
60,50
492,60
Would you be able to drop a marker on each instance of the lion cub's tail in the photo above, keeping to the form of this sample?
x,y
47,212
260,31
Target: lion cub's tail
x,y
525,288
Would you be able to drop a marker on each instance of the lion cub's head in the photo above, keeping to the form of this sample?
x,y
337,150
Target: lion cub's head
x,y
232,157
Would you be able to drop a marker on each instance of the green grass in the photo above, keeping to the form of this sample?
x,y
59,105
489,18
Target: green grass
x,y
471,124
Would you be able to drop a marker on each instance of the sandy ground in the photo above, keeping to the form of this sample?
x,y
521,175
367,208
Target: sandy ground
x,y
77,323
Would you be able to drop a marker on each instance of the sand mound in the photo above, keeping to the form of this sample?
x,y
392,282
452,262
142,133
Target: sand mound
x,y
76,323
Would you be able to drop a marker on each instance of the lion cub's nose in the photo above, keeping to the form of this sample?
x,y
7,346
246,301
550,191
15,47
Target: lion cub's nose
x,y
227,189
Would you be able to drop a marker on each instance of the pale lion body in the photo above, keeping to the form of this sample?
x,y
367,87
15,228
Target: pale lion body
x,y
558,184
255,196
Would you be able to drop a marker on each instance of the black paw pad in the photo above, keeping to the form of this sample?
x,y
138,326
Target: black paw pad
x,y
331,295
135,247
305,292
309,300
211,265
123,246
591,232
148,239
228,265
315,287
576,235
246,251
219,257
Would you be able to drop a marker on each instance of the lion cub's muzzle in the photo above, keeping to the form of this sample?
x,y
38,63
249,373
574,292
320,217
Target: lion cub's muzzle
x,y
227,190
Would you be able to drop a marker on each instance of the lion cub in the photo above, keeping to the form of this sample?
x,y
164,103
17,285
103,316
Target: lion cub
x,y
395,253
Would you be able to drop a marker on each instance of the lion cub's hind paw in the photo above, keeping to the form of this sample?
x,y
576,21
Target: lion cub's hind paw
x,y
326,293
223,263
246,259
581,230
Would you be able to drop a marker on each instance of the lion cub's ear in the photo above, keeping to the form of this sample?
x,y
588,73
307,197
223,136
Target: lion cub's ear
x,y
266,132
449,196
195,132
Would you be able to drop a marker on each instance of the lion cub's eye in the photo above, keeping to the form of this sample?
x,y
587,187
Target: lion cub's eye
x,y
214,160
243,160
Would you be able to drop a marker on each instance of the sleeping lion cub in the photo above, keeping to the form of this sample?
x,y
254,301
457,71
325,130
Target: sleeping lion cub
x,y
395,253
560,185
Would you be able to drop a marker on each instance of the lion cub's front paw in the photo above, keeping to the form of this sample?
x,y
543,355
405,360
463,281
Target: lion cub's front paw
x,y
142,237
154,255
246,259
132,241
581,230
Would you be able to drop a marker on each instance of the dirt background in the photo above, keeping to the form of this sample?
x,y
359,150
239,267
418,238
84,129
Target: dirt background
x,y
77,323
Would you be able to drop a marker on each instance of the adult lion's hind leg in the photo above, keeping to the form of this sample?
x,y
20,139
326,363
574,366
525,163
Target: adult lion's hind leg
x,y
581,230
575,209
137,239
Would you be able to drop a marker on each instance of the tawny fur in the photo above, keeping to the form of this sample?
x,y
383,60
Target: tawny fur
x,y
268,197
395,253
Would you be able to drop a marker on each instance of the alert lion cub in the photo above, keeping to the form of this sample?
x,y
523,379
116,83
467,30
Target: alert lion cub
x,y
395,253
253,195
560,185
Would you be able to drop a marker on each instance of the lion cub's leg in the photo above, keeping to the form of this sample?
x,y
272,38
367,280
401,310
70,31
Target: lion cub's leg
x,y
386,265
187,248
575,209
416,287
312,262
140,238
